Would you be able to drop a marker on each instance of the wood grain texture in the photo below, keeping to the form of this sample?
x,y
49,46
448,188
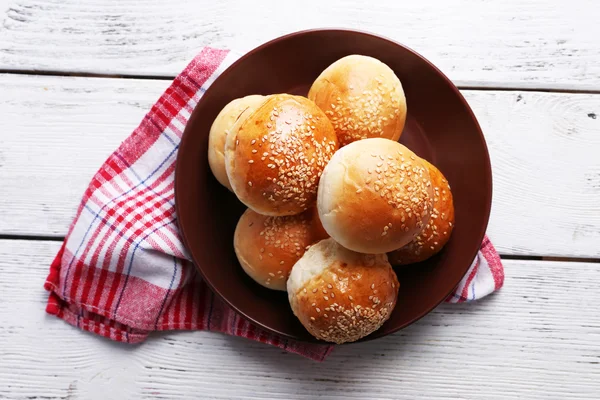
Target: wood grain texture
x,y
539,337
543,147
536,43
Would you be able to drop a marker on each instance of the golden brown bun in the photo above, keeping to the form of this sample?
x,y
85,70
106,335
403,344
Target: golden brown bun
x,y
362,97
374,196
268,247
218,134
437,232
275,155
339,295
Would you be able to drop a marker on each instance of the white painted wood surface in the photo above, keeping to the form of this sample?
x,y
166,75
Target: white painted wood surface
x,y
63,128
538,338
537,43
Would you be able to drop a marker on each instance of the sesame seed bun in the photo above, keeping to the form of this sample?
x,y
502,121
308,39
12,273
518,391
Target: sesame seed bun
x,y
268,247
218,134
362,97
437,232
275,156
375,196
340,295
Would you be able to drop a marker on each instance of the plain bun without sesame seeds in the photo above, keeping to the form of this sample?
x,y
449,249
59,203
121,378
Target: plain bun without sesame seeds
x,y
275,155
267,247
339,295
362,97
219,130
375,196
437,232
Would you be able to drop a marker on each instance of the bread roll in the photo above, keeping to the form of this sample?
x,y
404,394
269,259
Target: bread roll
x,y
375,196
275,156
218,134
339,295
268,247
362,97
437,232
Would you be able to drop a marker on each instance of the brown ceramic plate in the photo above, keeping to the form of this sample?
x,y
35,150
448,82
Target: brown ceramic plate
x,y
440,127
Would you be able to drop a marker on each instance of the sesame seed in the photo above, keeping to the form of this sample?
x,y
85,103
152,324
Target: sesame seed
x,y
281,262
326,298
312,318
314,290
250,161
372,286
254,151
253,141
318,309
304,290
271,274
350,297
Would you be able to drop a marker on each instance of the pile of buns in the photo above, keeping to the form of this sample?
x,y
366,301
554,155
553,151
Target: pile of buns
x,y
333,199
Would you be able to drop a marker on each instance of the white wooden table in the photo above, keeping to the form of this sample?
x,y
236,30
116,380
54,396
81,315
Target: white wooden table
x,y
77,76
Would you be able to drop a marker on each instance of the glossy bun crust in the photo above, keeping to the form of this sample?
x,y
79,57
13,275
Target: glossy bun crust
x,y
275,155
219,130
340,295
362,97
437,232
375,196
268,247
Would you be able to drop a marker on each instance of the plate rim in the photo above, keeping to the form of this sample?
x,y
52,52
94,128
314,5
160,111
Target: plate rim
x,y
186,135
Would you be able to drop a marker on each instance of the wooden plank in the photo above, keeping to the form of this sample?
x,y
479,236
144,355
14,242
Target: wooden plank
x,y
61,130
543,146
515,43
539,337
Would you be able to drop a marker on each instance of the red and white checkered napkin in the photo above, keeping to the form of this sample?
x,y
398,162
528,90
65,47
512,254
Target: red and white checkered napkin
x,y
123,272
